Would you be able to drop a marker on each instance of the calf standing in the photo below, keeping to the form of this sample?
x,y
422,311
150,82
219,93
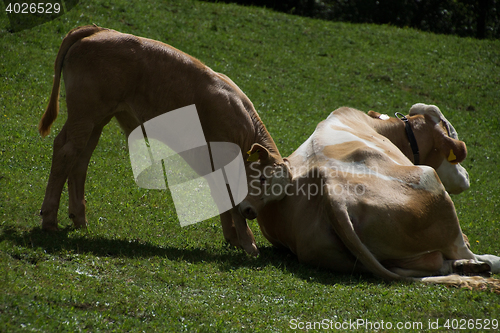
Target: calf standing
x,y
110,74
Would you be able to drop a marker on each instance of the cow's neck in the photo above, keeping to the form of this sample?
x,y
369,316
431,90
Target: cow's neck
x,y
394,130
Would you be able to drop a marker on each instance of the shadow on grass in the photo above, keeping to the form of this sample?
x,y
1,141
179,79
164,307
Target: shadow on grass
x,y
55,243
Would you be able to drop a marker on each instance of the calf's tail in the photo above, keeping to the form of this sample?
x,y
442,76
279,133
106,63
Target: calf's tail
x,y
53,107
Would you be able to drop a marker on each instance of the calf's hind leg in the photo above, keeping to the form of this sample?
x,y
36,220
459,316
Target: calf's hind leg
x,y
68,145
77,178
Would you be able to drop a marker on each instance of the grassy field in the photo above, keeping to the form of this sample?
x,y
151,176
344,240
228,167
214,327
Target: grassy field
x,y
136,269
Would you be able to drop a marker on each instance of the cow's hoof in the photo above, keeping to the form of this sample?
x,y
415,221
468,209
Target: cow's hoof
x,y
471,267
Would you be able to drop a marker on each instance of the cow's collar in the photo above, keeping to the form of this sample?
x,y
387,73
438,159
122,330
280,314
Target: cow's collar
x,y
411,137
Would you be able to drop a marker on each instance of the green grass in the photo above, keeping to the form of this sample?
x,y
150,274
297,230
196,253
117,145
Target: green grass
x,y
136,269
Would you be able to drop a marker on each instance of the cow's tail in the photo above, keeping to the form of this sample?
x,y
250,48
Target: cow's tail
x,y
469,282
344,229
52,110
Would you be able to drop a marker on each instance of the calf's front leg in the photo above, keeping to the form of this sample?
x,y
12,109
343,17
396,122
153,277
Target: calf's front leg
x,y
245,236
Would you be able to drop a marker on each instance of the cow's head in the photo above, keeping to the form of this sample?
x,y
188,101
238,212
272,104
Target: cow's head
x,y
439,146
268,177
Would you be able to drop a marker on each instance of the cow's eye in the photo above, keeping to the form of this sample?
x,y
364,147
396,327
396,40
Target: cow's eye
x,y
262,180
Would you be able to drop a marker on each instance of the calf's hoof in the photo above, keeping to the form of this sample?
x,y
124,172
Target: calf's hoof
x,y
49,221
233,242
49,226
251,249
79,222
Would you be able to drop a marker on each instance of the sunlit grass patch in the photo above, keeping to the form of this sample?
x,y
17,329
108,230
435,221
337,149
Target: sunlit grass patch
x,y
135,268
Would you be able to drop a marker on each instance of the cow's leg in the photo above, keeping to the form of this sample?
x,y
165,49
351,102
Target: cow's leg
x,y
434,264
77,177
491,260
68,145
455,259
245,235
331,256
228,229
422,265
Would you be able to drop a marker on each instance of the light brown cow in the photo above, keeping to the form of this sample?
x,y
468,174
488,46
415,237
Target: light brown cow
x,y
110,74
358,204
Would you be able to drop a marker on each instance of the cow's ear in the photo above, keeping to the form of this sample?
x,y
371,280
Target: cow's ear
x,y
257,152
374,114
377,115
453,150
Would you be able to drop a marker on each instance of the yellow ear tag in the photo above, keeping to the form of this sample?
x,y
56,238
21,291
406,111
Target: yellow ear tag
x,y
452,157
254,156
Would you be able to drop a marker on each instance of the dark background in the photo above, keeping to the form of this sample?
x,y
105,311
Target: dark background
x,y
465,18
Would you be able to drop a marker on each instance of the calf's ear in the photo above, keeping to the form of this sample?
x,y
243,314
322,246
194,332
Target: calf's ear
x,y
257,152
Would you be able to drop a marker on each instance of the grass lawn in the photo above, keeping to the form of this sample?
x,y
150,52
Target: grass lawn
x,y
136,269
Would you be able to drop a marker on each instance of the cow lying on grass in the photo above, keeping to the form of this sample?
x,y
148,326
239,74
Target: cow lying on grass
x,y
358,204
110,74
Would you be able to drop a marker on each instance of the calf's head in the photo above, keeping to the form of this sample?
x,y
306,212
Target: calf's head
x,y
268,177
440,147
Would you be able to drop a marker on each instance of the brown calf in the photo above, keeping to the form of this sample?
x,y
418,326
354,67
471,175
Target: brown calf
x,y
110,74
